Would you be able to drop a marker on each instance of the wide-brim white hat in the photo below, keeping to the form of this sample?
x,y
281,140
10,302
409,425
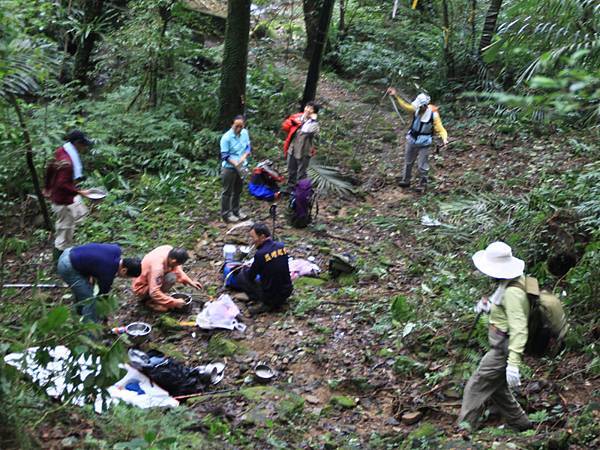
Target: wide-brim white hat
x,y
497,261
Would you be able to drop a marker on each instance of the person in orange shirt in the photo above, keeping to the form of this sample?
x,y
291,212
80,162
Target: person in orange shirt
x,y
161,269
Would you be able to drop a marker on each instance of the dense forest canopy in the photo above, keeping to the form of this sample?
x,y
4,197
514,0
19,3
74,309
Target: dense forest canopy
x,y
156,83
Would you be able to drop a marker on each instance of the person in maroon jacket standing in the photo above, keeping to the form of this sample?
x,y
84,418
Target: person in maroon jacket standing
x,y
61,188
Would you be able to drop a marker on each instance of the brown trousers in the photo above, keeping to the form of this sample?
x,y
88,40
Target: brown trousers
x,y
489,383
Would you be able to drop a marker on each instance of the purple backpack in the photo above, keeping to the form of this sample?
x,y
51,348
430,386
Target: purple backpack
x,y
301,204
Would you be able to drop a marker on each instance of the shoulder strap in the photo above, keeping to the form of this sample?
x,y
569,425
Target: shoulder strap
x,y
530,287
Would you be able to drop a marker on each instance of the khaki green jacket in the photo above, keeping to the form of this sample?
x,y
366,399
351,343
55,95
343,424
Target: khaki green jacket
x,y
511,317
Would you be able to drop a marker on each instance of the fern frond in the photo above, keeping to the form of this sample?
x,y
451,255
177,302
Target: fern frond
x,y
327,179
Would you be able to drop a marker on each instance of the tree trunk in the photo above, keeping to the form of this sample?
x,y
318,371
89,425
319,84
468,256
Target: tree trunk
x,y
342,21
489,26
447,30
165,12
314,69
30,163
62,74
235,61
312,9
472,22
92,10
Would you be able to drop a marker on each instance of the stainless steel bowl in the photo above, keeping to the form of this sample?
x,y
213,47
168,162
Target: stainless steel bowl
x,y
187,298
263,373
96,194
138,332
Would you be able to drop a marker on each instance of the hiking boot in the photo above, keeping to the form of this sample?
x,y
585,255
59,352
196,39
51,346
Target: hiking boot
x,y
404,184
242,296
259,309
241,215
521,424
422,187
231,218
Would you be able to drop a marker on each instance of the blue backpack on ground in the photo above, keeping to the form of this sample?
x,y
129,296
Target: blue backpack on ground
x,y
264,182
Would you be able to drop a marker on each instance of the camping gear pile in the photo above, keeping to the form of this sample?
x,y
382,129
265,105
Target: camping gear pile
x,y
173,376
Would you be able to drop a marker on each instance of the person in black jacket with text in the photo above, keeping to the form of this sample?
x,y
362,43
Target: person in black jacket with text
x,y
268,279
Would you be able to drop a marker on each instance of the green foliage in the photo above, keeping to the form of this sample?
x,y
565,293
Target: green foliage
x,y
330,180
375,50
406,366
45,326
550,31
572,96
424,437
343,402
23,61
219,346
128,427
305,304
401,310
552,48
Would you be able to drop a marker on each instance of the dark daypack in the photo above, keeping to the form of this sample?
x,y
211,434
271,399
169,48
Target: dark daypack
x,y
547,324
303,208
341,263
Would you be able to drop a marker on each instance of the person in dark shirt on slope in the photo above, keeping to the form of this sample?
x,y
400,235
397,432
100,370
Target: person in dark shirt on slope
x,y
274,284
83,266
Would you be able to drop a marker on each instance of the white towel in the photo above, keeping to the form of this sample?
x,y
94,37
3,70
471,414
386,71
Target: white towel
x,y
77,166
496,297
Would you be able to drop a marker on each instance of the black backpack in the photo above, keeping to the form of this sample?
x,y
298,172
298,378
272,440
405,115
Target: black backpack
x,y
547,324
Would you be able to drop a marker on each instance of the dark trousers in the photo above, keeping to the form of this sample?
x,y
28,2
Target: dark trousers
x,y
232,189
255,292
297,170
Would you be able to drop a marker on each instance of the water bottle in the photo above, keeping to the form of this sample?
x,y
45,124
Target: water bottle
x,y
229,252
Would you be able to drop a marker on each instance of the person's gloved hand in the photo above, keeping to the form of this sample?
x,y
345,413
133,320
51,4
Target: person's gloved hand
x,y
513,378
483,305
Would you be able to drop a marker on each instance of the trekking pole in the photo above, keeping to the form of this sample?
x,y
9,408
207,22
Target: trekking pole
x,y
32,285
396,109
439,146
474,326
369,117
273,214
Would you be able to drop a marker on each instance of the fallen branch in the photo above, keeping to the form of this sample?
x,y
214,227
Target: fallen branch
x,y
346,303
205,394
341,238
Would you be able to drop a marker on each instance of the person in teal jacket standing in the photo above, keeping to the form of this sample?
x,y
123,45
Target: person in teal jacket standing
x,y
235,148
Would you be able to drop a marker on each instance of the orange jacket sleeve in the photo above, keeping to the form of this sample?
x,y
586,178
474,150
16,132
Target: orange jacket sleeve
x,y
155,281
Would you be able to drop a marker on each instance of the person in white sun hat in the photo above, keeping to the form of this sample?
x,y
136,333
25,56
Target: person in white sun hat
x,y
498,371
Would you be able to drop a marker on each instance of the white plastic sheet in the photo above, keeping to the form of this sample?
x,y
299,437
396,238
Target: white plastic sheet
x,y
221,313
52,376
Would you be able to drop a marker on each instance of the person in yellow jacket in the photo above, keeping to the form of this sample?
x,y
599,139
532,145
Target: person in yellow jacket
x,y
498,370
426,119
